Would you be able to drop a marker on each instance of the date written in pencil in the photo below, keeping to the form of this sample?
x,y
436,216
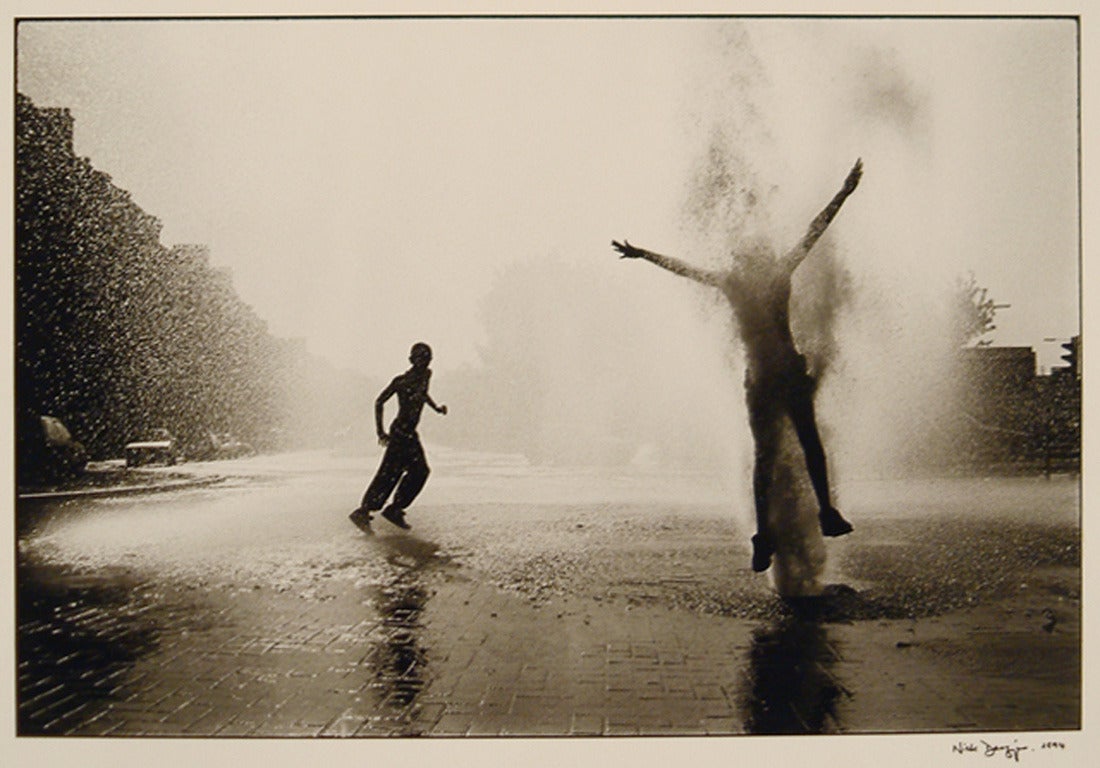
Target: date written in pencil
x,y
1011,751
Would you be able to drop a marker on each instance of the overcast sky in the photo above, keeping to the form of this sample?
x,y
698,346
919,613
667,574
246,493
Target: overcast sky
x,y
365,180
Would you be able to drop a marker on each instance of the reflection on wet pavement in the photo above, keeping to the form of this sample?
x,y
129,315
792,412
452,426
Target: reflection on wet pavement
x,y
791,689
262,612
791,683
98,643
400,662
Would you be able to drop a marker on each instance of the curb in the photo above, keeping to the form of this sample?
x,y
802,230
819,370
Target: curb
x,y
120,490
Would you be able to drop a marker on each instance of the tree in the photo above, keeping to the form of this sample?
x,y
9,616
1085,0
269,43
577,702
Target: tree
x,y
973,313
116,333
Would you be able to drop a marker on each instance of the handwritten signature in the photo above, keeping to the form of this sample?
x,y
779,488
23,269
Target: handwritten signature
x,y
1011,751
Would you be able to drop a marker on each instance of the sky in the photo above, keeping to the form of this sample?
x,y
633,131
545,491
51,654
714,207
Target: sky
x,y
366,181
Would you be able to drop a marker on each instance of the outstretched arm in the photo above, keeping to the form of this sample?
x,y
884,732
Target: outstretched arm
x,y
817,227
628,251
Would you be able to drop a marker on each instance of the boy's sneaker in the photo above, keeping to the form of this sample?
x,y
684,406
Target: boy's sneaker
x,y
396,516
832,524
762,551
361,519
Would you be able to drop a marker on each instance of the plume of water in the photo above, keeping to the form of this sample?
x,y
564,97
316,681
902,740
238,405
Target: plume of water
x,y
730,211
792,516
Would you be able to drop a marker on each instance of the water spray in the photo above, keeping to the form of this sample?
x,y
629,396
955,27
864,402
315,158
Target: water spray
x,y
792,515
780,393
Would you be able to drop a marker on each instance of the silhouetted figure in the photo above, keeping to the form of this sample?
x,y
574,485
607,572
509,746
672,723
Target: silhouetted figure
x,y
403,466
758,287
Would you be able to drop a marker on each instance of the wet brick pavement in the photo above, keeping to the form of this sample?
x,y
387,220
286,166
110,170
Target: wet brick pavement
x,y
450,657
436,652
241,612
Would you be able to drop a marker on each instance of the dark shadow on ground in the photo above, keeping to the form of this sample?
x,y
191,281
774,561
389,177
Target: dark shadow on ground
x,y
837,603
409,551
790,686
76,639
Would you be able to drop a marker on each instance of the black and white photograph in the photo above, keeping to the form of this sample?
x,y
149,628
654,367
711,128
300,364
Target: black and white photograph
x,y
652,379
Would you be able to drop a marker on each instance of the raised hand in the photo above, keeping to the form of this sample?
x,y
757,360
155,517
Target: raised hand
x,y
854,176
626,250
795,256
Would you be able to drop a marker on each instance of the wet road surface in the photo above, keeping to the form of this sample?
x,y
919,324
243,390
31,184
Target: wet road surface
x,y
528,602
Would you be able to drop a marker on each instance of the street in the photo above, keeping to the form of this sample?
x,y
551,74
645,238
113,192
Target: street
x,y
533,601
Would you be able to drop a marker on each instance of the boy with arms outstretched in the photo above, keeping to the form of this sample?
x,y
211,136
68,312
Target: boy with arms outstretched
x,y
758,287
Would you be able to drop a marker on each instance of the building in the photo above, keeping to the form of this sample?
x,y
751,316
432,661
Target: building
x,y
1011,417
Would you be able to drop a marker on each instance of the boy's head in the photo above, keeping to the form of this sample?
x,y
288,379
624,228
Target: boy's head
x,y
420,355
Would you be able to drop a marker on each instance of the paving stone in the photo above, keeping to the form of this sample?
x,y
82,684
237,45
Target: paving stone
x,y
465,658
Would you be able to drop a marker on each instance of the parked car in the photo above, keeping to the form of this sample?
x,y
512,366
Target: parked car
x,y
52,453
160,447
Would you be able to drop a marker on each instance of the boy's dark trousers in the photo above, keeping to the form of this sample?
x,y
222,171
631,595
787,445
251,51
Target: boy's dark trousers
x,y
403,461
